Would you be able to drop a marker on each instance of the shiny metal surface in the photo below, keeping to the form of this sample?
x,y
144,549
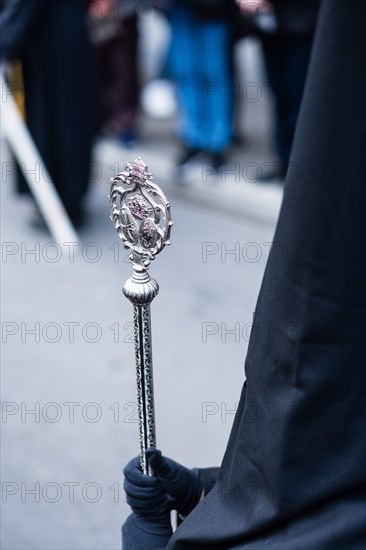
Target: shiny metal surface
x,y
140,213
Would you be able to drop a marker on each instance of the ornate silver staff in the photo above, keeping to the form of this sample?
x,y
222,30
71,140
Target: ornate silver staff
x,y
141,215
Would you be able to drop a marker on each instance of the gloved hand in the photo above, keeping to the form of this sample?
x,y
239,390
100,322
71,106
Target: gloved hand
x,y
140,533
173,487
144,493
180,483
149,526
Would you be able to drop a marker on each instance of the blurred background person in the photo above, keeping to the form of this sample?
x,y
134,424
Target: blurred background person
x,y
114,33
200,62
286,30
51,40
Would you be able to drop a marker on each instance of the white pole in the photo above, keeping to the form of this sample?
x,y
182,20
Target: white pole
x,y
22,145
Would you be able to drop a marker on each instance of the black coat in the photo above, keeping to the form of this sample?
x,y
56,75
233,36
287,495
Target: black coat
x,y
50,38
298,17
293,475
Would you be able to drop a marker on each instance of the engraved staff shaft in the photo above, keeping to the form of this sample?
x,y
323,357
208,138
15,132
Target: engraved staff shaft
x,y
141,215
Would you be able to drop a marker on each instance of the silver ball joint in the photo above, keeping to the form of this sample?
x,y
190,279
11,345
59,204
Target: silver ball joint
x,y
140,289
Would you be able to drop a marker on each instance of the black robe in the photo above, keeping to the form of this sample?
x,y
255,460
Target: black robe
x,y
50,38
294,472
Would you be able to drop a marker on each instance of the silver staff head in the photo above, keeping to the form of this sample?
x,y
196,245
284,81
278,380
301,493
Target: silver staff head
x,y
140,213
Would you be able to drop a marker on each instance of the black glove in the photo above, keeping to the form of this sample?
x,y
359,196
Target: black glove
x,y
173,487
149,526
144,493
141,533
178,482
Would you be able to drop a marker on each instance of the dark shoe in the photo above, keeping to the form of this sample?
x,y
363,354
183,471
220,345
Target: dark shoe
x,y
218,161
215,161
187,154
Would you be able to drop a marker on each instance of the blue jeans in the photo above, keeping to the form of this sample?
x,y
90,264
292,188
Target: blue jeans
x,y
200,62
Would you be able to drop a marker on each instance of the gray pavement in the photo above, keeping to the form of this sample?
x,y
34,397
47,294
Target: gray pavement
x,y
67,360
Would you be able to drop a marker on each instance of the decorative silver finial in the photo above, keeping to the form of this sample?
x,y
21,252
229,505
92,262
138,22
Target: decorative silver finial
x,y
140,213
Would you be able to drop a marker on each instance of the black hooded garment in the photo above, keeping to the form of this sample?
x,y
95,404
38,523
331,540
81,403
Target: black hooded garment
x,y
293,475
